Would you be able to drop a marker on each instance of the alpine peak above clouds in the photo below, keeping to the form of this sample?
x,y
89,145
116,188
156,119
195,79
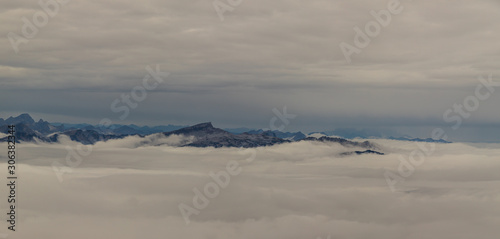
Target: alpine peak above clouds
x,y
26,127
201,135
207,136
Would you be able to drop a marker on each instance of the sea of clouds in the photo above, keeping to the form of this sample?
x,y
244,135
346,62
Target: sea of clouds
x,y
304,190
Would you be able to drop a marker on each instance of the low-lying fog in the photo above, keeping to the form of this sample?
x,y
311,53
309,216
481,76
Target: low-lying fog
x,y
302,190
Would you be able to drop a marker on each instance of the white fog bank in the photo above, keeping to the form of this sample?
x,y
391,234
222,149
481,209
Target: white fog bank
x,y
302,190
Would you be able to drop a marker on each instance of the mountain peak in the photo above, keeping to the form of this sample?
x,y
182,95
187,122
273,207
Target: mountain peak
x,y
21,119
202,128
206,125
26,117
205,135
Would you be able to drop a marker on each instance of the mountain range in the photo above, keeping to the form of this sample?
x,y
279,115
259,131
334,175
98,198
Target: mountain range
x,y
202,135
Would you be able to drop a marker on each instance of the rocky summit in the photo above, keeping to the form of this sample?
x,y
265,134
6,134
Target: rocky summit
x,y
200,135
205,135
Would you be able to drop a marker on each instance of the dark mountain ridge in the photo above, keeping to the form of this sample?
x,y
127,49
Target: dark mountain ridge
x,y
202,135
207,136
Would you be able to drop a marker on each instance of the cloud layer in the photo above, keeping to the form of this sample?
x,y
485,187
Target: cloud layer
x,y
263,55
298,190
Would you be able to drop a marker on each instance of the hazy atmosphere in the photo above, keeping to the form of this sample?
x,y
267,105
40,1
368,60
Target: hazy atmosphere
x,y
238,119
262,55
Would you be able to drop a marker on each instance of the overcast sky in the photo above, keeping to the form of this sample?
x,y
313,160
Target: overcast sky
x,y
263,55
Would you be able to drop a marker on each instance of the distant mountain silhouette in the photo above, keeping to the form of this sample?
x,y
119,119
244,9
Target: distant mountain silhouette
x,y
201,135
207,136
296,136
43,127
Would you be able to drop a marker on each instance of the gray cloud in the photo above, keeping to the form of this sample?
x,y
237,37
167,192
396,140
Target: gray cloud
x,y
298,190
263,55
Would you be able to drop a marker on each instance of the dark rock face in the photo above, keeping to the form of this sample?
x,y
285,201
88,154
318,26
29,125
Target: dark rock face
x,y
205,135
145,130
343,142
126,130
85,136
362,152
28,130
428,140
42,127
22,133
198,130
45,127
21,119
368,152
296,136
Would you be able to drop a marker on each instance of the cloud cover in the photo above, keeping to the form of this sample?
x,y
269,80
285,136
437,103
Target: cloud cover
x,y
297,190
263,55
